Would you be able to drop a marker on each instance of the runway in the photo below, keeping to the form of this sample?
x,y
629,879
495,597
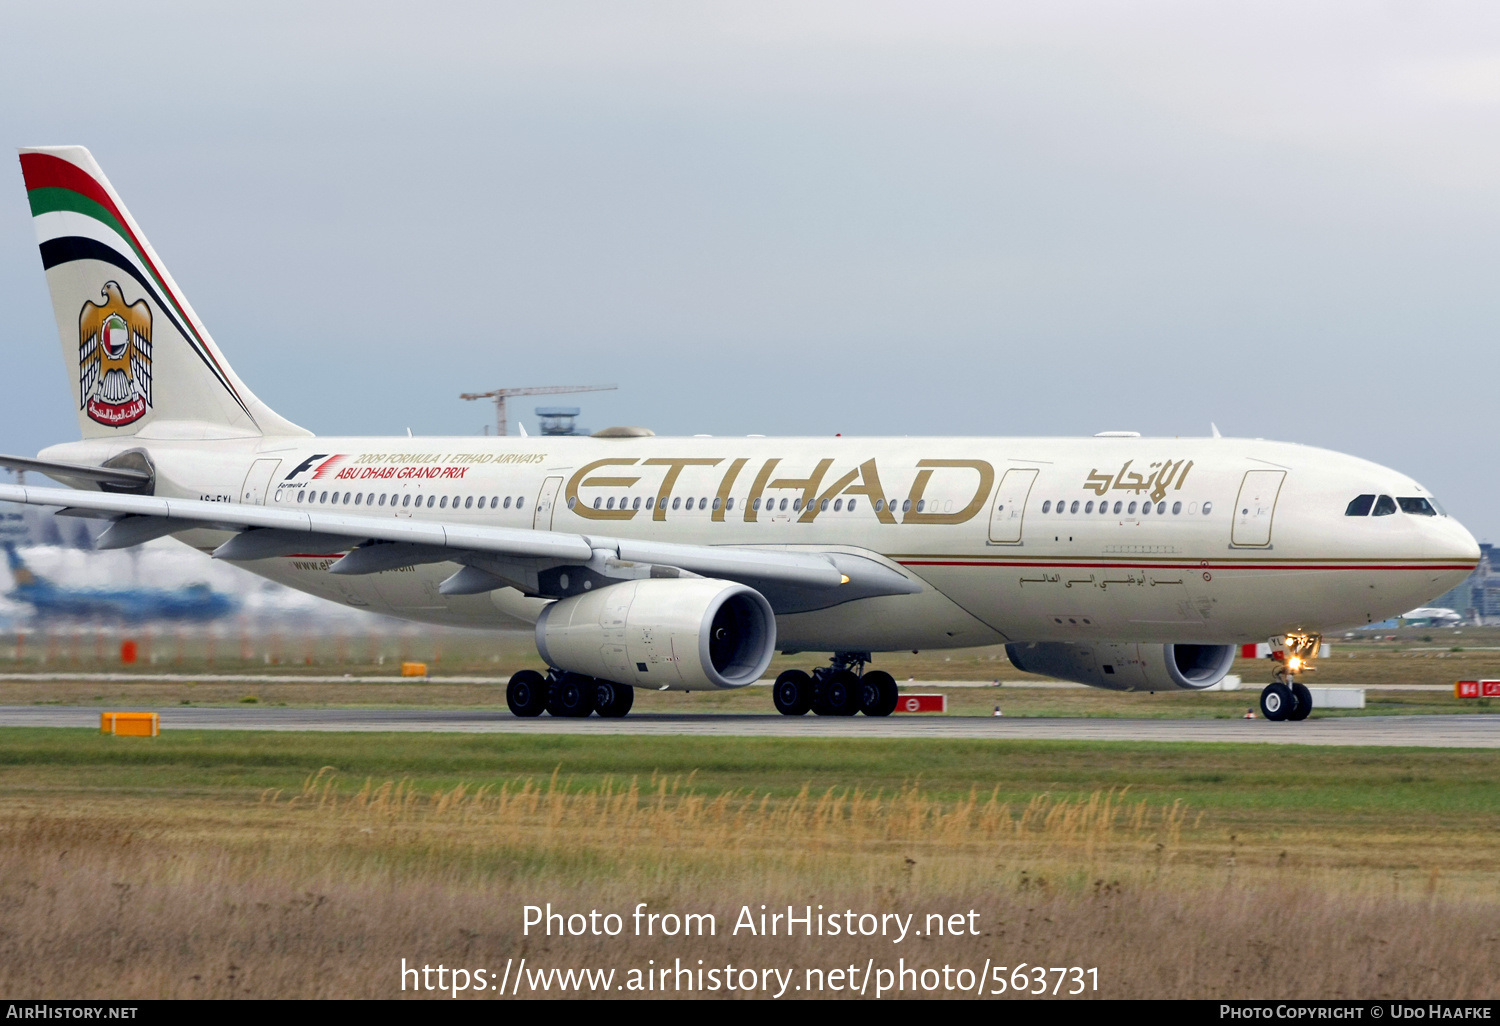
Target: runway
x,y
1464,731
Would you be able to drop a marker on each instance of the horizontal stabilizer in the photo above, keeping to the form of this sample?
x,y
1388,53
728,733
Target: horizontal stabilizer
x,y
123,477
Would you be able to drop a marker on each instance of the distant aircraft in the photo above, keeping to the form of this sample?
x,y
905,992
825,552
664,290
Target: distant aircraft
x,y
197,602
1431,616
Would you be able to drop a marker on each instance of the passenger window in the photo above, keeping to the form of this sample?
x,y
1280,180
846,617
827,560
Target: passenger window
x,y
1145,509
729,504
1384,506
880,505
444,503
520,502
382,500
1047,506
357,498
1176,508
1417,506
906,505
346,498
783,505
755,505
611,503
637,503
469,502
572,502
301,494
702,503
797,505
405,501
716,503
597,502
1062,504
1208,508
823,506
1130,508
851,505
1359,506
1073,508
677,502
507,503
1161,507
650,501
922,504
838,504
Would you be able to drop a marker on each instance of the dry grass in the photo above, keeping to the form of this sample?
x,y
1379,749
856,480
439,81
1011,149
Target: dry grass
x,y
320,891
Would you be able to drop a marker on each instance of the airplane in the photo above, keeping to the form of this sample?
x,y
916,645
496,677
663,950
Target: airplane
x,y
196,602
1431,616
684,564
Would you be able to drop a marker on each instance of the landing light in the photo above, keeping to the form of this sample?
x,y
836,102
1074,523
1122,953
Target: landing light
x,y
1294,664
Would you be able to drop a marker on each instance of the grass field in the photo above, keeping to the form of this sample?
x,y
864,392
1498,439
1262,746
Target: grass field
x,y
219,863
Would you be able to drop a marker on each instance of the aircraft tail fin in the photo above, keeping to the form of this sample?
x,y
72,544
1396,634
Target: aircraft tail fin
x,y
19,571
134,349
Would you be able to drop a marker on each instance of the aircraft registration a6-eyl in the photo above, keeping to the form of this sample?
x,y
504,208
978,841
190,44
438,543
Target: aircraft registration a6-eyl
x,y
684,563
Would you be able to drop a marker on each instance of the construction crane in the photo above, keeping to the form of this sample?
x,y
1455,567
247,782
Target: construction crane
x,y
502,394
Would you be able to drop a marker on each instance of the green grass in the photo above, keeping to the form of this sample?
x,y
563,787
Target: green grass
x,y
1289,783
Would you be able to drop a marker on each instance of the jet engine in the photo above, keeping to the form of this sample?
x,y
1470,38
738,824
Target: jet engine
x,y
683,634
1125,666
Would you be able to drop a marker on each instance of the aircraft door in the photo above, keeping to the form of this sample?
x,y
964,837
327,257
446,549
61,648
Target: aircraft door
x,y
1255,507
546,499
258,482
1010,505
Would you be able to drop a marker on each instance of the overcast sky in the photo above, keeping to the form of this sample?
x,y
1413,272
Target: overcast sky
x,y
803,218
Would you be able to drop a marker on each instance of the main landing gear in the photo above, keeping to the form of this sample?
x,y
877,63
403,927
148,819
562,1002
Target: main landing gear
x,y
1284,698
841,689
566,694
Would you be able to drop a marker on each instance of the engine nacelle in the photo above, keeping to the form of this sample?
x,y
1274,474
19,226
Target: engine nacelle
x,y
1125,666
678,634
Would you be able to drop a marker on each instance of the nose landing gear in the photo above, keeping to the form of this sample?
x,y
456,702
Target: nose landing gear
x,y
1284,698
841,689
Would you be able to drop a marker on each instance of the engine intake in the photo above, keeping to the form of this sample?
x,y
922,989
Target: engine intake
x,y
1123,666
683,634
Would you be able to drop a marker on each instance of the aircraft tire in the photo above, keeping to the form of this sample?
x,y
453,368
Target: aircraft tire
x,y
1277,701
613,700
841,693
572,697
793,693
526,694
1304,702
878,693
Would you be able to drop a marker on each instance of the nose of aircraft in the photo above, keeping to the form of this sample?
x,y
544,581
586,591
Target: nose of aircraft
x,y
1455,542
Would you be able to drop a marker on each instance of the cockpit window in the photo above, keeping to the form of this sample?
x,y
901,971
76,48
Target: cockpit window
x,y
1385,506
1417,506
1359,506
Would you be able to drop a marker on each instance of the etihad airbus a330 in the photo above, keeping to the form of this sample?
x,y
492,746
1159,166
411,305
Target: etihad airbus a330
x,y
684,563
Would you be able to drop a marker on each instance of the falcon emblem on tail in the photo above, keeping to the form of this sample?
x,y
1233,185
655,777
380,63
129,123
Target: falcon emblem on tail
x,y
114,358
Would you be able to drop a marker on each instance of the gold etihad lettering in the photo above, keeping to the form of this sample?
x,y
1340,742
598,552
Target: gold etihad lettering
x,y
1127,480
862,480
674,469
578,480
919,486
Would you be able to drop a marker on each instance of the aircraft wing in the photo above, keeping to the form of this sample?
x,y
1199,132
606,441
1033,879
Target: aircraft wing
x,y
492,557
